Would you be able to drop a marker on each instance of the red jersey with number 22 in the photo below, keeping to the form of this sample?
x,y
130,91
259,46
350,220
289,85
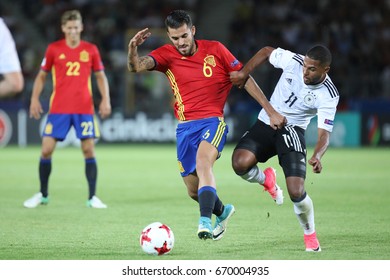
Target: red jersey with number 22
x,y
200,83
71,73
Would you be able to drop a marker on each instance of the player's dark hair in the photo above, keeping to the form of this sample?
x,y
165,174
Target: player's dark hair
x,y
177,18
320,53
70,15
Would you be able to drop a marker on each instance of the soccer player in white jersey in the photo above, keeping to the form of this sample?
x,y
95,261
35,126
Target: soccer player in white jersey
x,y
11,78
303,91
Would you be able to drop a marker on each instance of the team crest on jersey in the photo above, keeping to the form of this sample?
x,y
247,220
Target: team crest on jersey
x,y
309,99
210,60
84,56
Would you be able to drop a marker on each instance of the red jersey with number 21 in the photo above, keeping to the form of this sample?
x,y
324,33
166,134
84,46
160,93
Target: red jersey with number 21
x,y
200,83
71,73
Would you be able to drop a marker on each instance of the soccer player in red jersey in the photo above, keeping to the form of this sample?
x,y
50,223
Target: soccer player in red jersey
x,y
198,71
71,62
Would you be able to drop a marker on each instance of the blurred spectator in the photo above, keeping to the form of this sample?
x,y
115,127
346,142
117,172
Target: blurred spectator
x,y
358,38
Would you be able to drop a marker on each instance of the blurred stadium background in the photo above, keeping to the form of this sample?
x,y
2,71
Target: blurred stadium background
x,y
356,31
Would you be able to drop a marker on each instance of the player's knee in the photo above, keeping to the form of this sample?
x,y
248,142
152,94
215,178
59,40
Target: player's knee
x,y
296,193
46,152
296,188
202,166
240,163
88,152
88,147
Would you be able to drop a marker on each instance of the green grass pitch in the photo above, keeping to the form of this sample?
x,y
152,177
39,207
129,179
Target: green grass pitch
x,y
141,184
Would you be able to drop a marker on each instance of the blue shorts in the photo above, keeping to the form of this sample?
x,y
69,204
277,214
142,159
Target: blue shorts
x,y
58,126
190,134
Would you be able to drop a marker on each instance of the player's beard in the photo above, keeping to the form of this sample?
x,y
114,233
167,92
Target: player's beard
x,y
307,81
311,81
189,50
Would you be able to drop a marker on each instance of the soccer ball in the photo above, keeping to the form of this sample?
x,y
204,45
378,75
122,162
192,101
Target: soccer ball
x,y
157,239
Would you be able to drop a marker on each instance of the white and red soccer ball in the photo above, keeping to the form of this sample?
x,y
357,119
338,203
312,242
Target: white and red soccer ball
x,y
157,239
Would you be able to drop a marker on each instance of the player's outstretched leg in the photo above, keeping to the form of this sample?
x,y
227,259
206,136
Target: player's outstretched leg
x,y
222,221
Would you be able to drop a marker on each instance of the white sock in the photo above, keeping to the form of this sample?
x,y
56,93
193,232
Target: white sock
x,y
255,175
305,214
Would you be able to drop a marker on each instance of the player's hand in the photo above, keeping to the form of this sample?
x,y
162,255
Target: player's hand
x,y
277,121
238,78
104,109
316,163
35,109
139,38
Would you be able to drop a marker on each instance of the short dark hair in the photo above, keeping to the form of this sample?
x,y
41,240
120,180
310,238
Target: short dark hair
x,y
320,53
177,18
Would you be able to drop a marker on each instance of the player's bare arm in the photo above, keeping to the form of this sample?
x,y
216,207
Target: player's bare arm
x,y
134,62
105,104
35,105
319,150
276,119
239,78
11,83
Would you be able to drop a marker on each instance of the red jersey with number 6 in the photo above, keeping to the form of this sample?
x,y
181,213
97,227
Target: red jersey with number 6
x,y
71,72
200,83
